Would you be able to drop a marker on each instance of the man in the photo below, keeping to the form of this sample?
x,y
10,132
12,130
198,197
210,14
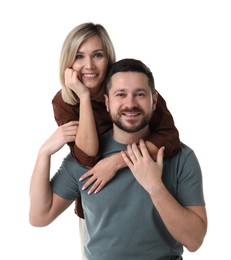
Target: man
x,y
149,210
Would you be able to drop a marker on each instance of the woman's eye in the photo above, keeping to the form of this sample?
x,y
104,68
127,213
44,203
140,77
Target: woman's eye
x,y
98,55
78,56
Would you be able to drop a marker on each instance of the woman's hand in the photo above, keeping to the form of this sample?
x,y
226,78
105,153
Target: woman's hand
x,y
101,173
63,134
73,81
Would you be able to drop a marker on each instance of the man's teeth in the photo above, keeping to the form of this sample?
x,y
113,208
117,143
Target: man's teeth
x,y
131,114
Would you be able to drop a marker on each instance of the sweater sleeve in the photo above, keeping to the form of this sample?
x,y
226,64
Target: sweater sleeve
x,y
163,129
64,113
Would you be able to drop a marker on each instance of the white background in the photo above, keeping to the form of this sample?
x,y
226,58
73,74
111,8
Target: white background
x,y
187,45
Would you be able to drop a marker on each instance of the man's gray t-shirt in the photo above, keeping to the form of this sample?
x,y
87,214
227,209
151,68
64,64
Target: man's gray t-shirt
x,y
121,220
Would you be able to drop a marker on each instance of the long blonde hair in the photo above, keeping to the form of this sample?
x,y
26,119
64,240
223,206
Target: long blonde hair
x,y
70,47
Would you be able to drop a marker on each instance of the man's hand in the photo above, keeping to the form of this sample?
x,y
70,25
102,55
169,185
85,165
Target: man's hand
x,y
146,171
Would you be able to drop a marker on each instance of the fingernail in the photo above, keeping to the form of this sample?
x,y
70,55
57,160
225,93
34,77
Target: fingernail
x,y
89,192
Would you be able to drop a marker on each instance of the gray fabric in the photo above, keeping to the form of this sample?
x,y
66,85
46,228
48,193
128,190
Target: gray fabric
x,y
121,220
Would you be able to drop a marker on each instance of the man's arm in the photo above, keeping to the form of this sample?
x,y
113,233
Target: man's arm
x,y
187,225
45,206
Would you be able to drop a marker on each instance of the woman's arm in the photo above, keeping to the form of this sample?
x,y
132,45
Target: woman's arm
x,y
86,137
163,131
44,205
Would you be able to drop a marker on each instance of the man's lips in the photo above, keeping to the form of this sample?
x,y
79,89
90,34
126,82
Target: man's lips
x,y
131,114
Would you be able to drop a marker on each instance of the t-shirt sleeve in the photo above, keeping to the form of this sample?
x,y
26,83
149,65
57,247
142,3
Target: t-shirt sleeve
x,y
163,129
190,182
64,183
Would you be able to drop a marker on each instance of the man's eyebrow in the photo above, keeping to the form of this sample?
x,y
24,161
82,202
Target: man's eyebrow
x,y
119,90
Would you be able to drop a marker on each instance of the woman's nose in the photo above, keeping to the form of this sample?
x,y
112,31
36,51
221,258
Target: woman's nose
x,y
90,64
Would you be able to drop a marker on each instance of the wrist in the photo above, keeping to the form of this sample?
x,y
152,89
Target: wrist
x,y
118,161
156,189
85,97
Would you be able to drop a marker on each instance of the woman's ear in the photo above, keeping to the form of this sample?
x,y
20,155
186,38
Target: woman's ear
x,y
106,102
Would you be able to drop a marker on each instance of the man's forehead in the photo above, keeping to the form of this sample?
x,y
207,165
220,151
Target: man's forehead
x,y
129,81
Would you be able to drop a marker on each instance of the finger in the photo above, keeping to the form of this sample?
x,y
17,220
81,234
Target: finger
x,y
100,187
68,131
143,148
160,156
67,71
88,183
74,75
85,175
70,126
71,130
94,186
126,159
72,123
67,75
136,151
131,154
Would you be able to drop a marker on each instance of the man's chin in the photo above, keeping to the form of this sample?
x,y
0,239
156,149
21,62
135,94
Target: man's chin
x,y
130,128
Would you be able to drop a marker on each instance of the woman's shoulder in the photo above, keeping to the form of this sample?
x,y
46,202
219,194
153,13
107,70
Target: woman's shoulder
x,y
57,97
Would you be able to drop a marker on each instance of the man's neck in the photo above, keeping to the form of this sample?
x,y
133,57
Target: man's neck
x,y
123,137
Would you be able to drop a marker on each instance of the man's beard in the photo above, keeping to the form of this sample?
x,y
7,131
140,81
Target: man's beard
x,y
132,128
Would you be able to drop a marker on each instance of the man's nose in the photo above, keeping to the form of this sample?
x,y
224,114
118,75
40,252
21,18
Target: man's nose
x,y
131,101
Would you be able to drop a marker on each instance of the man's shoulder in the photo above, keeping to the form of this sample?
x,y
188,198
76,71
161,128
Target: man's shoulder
x,y
184,154
186,150
70,162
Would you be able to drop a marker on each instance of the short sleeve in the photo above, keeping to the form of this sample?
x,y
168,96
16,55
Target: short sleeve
x,y
190,182
64,182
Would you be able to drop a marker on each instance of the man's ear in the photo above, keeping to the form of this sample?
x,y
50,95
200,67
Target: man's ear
x,y
155,98
106,102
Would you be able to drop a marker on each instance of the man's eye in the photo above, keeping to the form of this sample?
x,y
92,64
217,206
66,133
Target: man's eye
x,y
140,94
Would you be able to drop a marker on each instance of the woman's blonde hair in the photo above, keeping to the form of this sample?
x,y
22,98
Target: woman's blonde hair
x,y
70,47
